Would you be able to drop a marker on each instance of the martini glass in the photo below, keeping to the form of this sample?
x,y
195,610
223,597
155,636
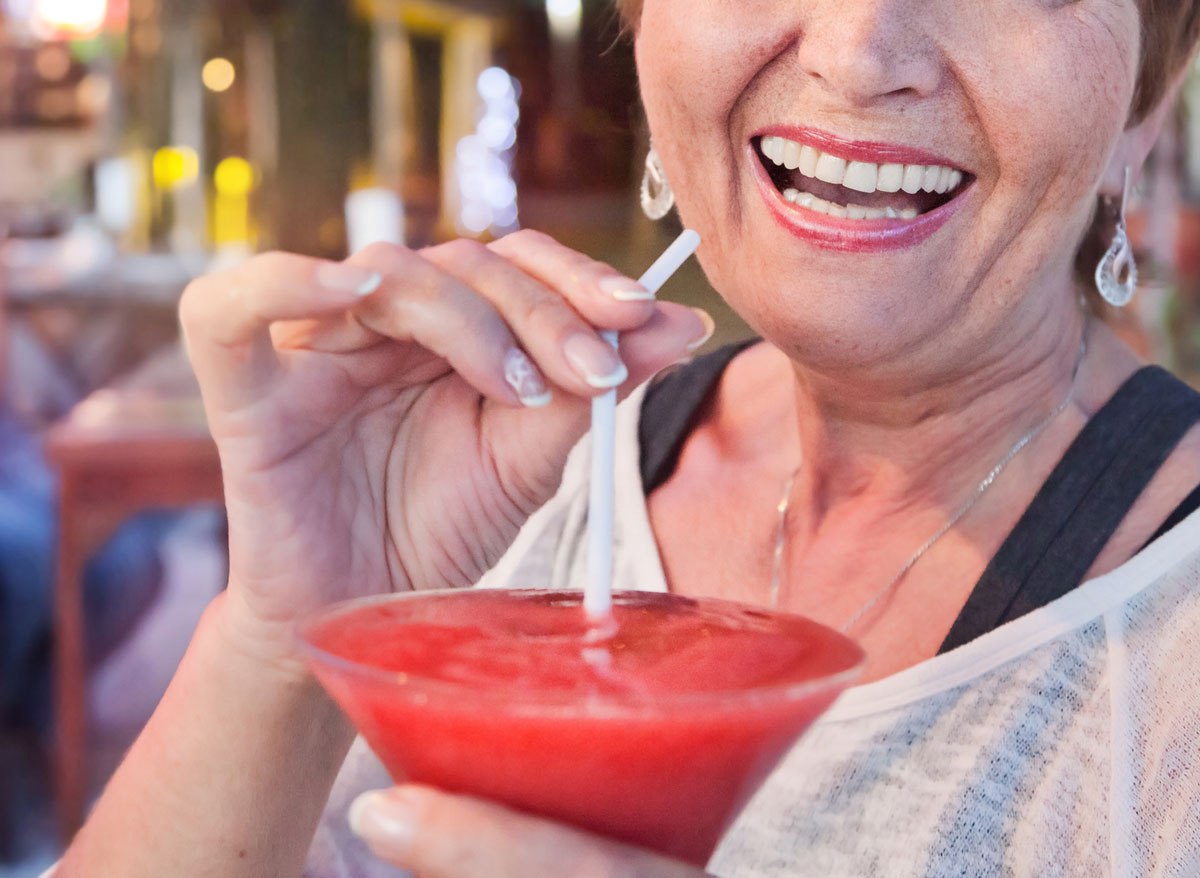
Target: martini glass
x,y
653,730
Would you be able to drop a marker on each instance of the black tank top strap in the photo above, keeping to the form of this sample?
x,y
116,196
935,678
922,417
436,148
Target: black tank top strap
x,y
670,407
1082,503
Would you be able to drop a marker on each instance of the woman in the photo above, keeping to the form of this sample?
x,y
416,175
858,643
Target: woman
x,y
922,405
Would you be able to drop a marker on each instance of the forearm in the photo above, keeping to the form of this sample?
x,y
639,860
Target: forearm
x,y
228,778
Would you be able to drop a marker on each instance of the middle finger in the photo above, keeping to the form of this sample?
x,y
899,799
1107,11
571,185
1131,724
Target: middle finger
x,y
566,346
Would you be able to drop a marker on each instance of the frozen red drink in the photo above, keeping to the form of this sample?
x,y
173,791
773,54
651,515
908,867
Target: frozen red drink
x,y
654,733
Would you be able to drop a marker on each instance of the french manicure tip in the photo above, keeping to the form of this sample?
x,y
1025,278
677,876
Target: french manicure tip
x,y
608,382
710,327
628,295
537,402
370,285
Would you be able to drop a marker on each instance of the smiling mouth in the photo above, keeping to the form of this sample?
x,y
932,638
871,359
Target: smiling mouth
x,y
829,184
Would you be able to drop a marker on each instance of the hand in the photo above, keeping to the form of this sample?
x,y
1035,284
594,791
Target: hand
x,y
436,835
386,423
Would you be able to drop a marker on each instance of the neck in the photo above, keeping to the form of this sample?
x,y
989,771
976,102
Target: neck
x,y
904,437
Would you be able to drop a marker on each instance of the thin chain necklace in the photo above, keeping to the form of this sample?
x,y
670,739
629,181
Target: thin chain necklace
x,y
988,480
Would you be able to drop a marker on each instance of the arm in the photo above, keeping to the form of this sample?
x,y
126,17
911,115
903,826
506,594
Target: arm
x,y
374,436
229,777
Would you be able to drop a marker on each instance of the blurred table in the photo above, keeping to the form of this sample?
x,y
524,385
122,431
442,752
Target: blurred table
x,y
70,330
138,444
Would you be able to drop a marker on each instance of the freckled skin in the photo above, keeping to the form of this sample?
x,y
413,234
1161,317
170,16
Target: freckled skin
x,y
1031,97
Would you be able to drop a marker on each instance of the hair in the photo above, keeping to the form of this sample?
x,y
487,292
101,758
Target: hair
x,y
1170,31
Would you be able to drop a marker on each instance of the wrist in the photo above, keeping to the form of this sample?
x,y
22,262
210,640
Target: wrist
x,y
261,662
261,648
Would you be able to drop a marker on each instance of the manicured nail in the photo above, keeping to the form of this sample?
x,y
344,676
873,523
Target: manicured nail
x,y
710,326
625,290
386,821
595,361
343,278
525,380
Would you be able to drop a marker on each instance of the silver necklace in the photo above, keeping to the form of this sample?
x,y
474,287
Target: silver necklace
x,y
980,490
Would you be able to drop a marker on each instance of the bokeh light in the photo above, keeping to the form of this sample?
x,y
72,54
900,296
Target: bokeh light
x,y
218,74
565,17
234,177
483,160
175,167
72,18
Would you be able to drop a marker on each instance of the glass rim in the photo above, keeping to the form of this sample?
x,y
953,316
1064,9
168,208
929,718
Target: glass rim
x,y
565,705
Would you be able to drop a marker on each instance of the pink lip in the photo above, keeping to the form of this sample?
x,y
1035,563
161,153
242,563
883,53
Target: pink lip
x,y
847,235
857,150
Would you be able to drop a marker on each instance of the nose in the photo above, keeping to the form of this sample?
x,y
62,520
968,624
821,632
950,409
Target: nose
x,y
866,50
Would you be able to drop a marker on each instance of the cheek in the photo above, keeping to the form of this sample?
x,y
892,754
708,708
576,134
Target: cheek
x,y
695,59
1040,122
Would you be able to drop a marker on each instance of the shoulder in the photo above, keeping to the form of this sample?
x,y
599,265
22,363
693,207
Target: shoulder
x,y
1154,670
1160,609
1154,626
1173,483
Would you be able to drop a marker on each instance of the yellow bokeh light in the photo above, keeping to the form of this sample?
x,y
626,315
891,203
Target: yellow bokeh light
x,y
174,167
234,177
218,74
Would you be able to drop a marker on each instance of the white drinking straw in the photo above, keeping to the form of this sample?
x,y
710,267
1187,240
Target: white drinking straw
x,y
597,594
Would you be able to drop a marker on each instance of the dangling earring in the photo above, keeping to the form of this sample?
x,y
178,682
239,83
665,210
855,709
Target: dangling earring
x,y
657,197
1118,261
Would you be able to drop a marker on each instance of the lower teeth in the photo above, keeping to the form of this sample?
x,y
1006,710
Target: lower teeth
x,y
850,211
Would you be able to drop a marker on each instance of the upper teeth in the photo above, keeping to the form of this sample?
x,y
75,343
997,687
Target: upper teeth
x,y
860,176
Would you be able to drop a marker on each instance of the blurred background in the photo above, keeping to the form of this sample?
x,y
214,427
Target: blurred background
x,y
144,142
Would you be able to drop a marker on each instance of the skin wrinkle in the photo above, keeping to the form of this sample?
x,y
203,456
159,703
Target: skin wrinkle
x,y
463,562
439,563
375,509
393,553
510,512
524,499
304,512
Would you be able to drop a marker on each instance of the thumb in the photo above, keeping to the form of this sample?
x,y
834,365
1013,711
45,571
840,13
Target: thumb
x,y
671,334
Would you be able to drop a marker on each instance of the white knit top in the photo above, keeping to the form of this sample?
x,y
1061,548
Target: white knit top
x,y
1066,742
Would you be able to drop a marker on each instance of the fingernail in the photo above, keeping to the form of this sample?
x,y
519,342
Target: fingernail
x,y
384,820
525,380
710,326
625,290
595,361
343,278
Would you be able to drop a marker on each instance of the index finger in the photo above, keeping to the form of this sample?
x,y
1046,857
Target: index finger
x,y
602,295
226,317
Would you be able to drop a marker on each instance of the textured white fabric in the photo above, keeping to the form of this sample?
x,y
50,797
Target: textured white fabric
x,y
1064,743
